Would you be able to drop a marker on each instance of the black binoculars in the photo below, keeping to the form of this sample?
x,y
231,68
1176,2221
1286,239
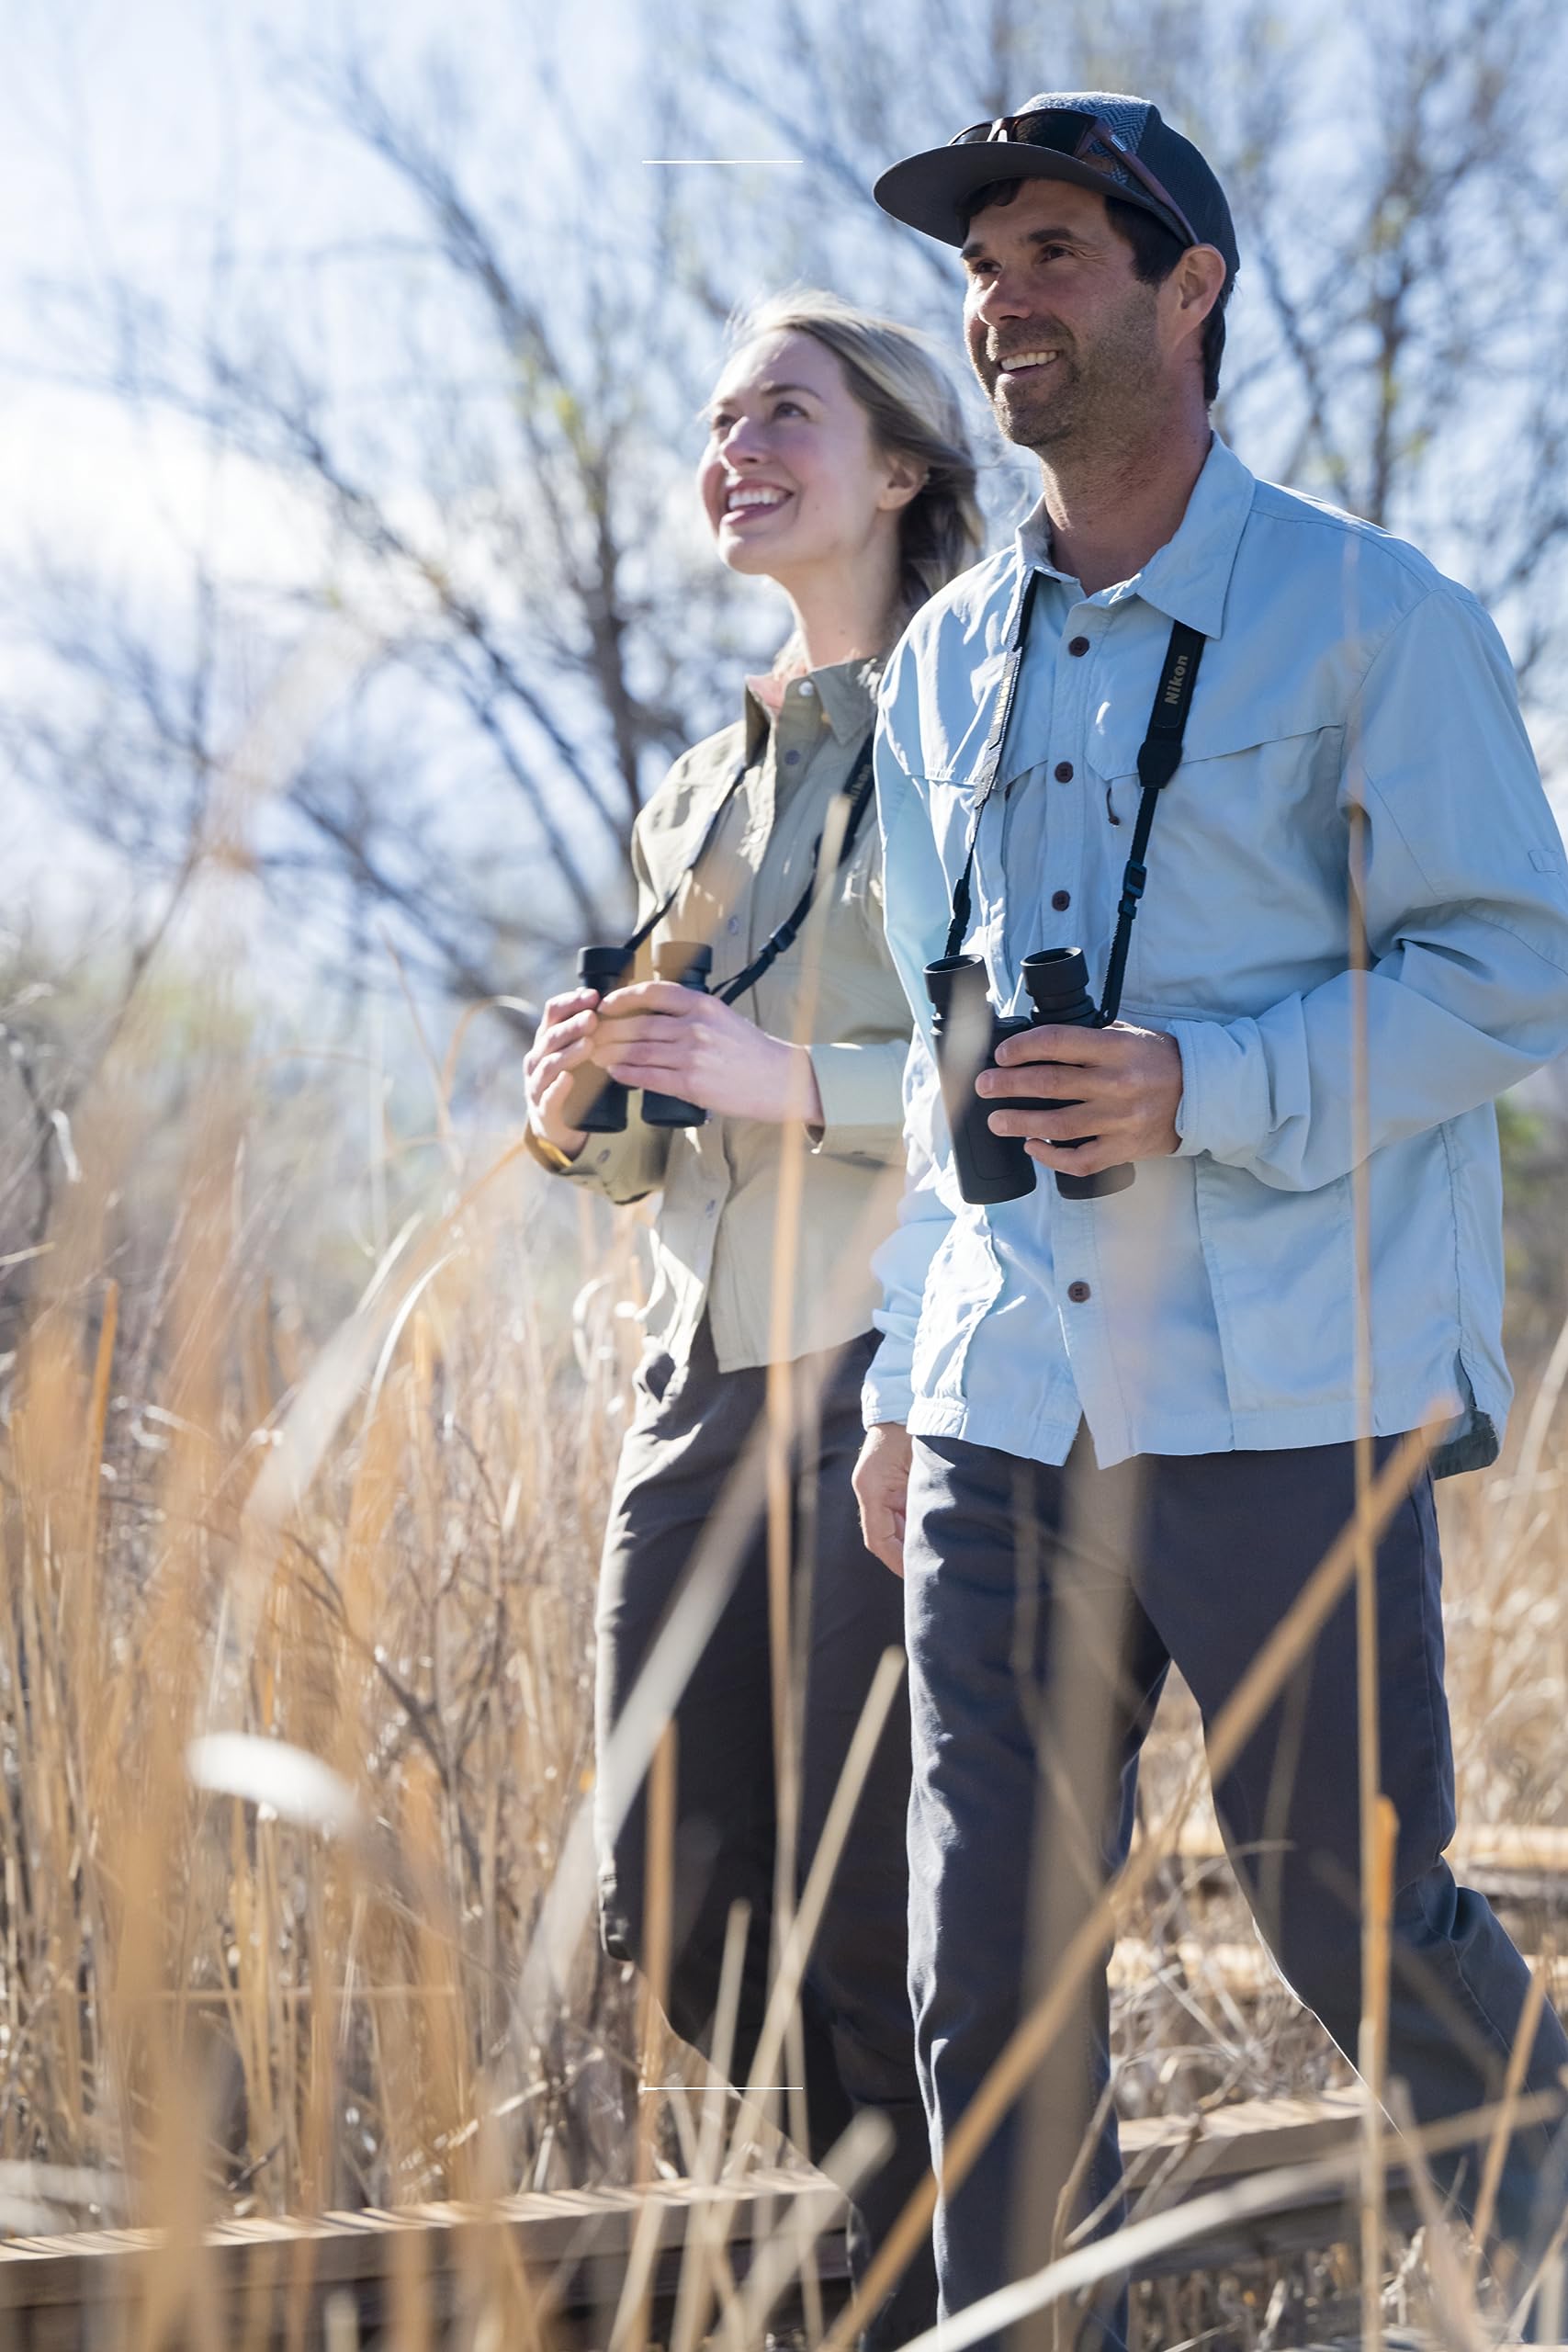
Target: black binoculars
x,y
967,1031
597,1102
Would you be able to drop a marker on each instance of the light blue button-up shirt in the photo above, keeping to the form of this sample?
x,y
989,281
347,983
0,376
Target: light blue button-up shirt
x,y
1212,1305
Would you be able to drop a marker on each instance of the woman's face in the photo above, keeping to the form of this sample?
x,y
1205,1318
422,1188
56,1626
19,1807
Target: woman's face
x,y
791,480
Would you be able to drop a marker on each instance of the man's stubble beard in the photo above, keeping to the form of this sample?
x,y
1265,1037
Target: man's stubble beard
x,y
1108,402
1061,417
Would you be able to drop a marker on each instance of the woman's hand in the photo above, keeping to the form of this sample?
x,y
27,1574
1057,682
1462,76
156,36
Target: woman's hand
x,y
677,1041
561,1042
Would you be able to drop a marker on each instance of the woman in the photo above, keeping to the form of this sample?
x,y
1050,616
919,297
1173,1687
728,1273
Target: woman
x,y
837,466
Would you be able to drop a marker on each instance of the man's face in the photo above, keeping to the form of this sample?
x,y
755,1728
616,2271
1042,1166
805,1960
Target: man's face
x,y
1062,336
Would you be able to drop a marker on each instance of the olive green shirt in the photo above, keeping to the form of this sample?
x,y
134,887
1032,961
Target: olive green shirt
x,y
717,1231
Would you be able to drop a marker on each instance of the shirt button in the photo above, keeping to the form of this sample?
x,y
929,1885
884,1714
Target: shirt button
x,y
792,759
1064,771
733,925
807,688
1077,1292
1078,645
1061,900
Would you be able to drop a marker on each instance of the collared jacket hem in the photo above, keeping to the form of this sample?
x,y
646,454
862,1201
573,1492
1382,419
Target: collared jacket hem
x,y
1183,1434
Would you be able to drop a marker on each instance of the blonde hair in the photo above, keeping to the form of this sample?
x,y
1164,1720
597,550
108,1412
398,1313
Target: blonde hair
x,y
913,412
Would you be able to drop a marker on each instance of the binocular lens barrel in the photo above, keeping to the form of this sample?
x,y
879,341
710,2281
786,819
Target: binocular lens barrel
x,y
1057,982
990,1168
687,962
597,1102
967,1032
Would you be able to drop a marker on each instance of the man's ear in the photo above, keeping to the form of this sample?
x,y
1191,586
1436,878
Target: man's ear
x,y
907,477
1198,280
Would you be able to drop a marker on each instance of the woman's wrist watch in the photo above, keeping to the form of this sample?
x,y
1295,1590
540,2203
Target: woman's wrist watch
x,y
549,1155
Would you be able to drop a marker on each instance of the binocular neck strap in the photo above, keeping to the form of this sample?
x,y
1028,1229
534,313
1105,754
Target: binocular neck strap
x,y
1159,757
991,755
859,789
646,930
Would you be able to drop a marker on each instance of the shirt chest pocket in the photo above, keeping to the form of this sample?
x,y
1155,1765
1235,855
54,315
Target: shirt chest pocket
x,y
956,709
1247,858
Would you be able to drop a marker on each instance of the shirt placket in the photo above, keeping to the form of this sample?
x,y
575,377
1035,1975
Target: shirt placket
x,y
775,801
797,739
1067,921
737,877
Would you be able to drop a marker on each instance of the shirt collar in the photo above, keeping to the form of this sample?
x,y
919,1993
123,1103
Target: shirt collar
x,y
1189,578
846,691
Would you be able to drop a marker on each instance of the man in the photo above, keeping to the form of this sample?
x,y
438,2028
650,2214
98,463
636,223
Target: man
x,y
1195,1349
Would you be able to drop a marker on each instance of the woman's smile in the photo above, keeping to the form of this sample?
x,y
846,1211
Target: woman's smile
x,y
748,504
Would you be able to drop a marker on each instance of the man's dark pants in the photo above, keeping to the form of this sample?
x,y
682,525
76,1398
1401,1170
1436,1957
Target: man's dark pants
x,y
1193,1560
691,1428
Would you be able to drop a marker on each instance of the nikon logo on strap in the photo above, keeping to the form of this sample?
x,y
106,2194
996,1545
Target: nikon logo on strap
x,y
1176,680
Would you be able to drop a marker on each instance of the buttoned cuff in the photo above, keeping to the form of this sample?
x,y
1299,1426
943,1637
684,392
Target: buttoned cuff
x,y
862,1089
549,1155
626,1166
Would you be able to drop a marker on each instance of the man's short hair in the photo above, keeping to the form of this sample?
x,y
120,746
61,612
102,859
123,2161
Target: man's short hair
x,y
1155,251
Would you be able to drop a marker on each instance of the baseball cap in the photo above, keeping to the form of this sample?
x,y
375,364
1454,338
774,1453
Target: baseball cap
x,y
1097,139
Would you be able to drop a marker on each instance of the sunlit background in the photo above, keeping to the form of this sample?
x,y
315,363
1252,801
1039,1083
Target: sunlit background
x,y
353,598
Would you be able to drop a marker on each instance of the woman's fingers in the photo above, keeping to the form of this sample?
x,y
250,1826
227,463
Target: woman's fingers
x,y
661,1076
562,1011
654,996
557,1066
652,1044
633,1028
568,1031
565,1020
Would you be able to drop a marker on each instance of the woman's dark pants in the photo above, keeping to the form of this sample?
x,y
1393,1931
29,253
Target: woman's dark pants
x,y
688,1431
1044,1609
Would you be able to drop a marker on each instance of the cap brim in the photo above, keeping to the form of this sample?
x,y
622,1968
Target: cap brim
x,y
928,191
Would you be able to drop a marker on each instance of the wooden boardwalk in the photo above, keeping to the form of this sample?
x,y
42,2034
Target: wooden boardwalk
x,y
1510,1865
261,2285
258,2284
273,2286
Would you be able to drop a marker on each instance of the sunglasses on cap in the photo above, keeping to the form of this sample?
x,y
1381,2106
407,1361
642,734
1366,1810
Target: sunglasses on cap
x,y
1083,139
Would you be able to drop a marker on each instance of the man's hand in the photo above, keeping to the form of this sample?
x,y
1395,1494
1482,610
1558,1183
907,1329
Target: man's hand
x,y
882,1484
678,1041
1125,1086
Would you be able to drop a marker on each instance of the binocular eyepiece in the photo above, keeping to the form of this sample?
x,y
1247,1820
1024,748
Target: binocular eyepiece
x,y
967,1031
597,1102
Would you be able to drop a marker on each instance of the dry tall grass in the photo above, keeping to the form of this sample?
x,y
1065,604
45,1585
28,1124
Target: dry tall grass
x,y
269,1993
335,2010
